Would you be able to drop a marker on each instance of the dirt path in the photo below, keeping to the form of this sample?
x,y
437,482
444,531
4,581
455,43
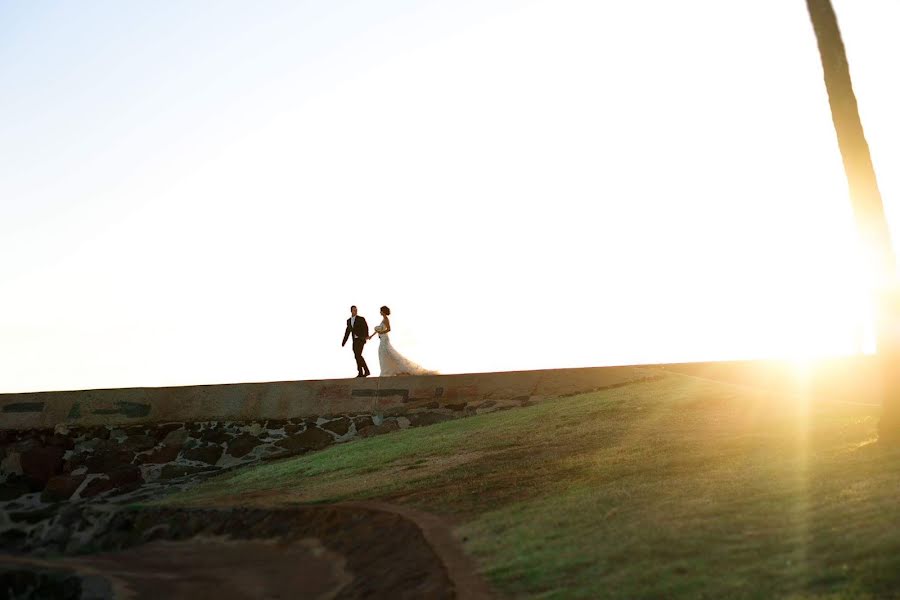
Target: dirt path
x,y
345,551
461,568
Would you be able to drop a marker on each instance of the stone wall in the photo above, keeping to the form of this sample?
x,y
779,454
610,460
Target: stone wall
x,y
87,462
293,399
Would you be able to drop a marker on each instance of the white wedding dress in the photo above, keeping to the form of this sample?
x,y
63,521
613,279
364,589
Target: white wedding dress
x,y
392,362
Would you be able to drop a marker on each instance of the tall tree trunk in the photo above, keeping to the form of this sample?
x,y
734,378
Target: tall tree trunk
x,y
868,209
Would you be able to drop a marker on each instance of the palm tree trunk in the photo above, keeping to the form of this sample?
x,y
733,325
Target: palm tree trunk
x,y
868,209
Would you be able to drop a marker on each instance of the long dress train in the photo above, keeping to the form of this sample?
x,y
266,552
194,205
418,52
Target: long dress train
x,y
392,362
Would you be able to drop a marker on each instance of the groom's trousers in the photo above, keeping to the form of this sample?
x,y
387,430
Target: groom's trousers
x,y
358,345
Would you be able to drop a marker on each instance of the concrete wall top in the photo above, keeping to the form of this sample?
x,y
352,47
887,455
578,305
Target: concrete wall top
x,y
846,378
290,399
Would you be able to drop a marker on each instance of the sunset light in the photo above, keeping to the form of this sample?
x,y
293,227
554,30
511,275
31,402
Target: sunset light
x,y
527,185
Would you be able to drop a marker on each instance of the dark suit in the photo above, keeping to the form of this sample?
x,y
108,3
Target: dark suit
x,y
360,332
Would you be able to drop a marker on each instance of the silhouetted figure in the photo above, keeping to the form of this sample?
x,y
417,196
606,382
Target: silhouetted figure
x,y
359,330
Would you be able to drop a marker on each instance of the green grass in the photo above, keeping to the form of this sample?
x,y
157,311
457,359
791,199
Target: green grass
x,y
679,487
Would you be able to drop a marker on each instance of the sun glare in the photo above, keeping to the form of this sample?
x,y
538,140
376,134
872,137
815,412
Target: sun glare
x,y
538,185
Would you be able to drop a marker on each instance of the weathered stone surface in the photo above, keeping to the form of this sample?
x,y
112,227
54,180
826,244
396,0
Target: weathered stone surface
x,y
11,463
61,487
292,428
100,432
385,427
252,428
458,406
161,431
174,471
123,479
32,516
104,462
12,489
362,422
63,441
160,455
275,423
339,426
42,463
216,436
311,439
139,443
242,445
176,438
205,454
427,418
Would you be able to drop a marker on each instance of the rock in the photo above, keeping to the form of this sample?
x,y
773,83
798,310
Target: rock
x,y
75,461
385,427
25,444
118,434
205,454
136,430
11,463
104,462
362,422
339,426
161,431
33,517
163,454
100,432
123,479
427,418
176,437
275,424
63,441
139,443
242,445
12,489
253,429
216,436
42,463
61,487
461,406
173,471
292,428
61,429
311,439
96,445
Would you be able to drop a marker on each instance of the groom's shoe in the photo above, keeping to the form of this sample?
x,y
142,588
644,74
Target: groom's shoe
x,y
360,375
366,374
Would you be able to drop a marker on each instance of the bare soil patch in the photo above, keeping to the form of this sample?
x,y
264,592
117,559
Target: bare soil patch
x,y
342,552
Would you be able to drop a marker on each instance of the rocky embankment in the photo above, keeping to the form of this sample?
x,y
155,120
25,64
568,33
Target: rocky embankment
x,y
39,469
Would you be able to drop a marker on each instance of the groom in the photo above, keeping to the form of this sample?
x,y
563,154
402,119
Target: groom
x,y
359,329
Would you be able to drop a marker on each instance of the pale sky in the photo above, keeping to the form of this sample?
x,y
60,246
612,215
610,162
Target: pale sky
x,y
195,192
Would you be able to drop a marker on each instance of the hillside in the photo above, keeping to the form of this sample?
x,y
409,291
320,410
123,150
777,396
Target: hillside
x,y
674,487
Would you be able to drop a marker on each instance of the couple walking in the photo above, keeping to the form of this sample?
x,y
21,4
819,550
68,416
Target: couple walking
x,y
390,361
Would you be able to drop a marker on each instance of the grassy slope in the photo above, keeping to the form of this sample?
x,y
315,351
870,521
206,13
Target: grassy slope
x,y
680,487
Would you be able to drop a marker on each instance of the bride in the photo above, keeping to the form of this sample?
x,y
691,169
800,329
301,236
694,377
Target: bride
x,y
391,361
